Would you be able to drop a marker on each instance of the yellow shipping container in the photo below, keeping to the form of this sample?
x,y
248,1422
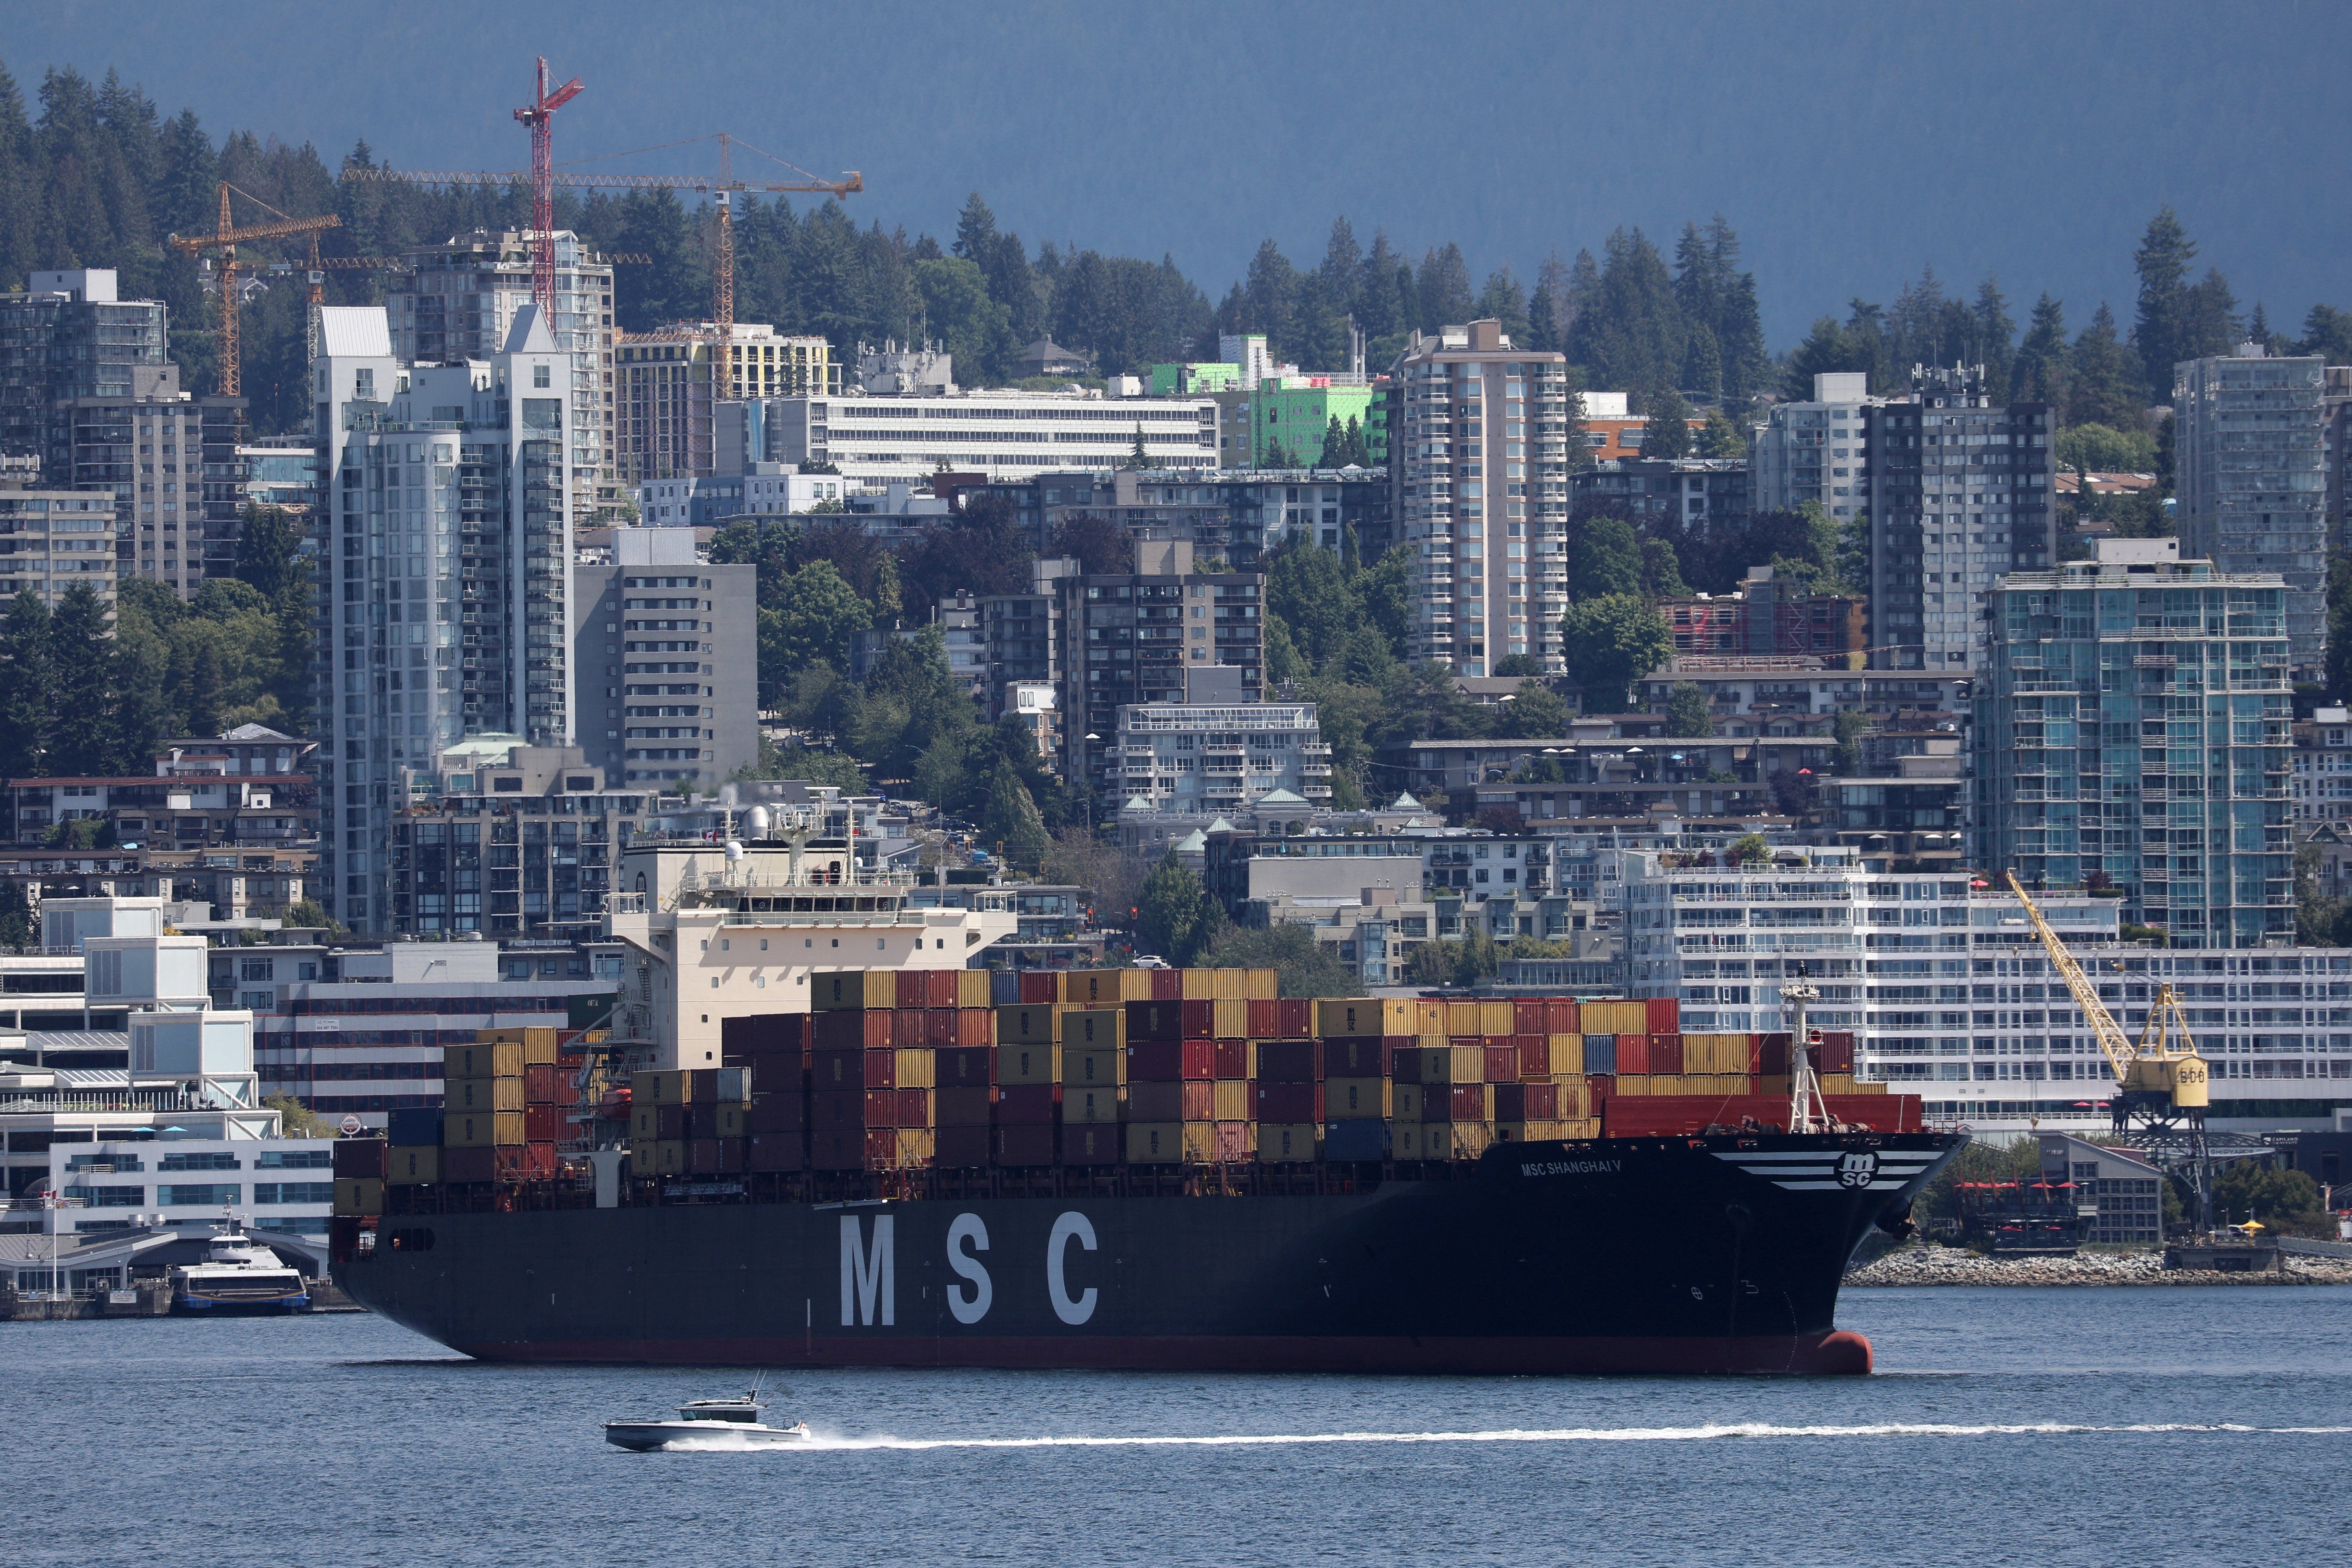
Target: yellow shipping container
x,y
1634,1084
1156,1142
1018,1026
1229,1016
1573,1094
413,1166
1526,1132
913,1146
1846,1083
1772,1083
735,1120
1362,1017
1724,1085
1039,1063
1566,1054
1260,986
1105,1068
1106,987
1466,1139
537,1040
358,1194
1095,1105
1094,1028
669,1157
1495,1018
973,988
1614,1017
1285,1143
1405,1100
1229,1099
1357,1097
497,1058
1466,1064
1715,1054
481,1094
916,1067
1411,1140
1463,1018
1580,1128
641,1156
1200,1139
853,990
673,1088
481,1129
1430,1064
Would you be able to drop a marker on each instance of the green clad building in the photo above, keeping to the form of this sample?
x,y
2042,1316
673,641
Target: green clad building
x,y
1297,410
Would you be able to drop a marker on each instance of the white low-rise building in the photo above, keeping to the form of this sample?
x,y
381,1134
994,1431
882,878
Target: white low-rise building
x,y
1182,756
1004,435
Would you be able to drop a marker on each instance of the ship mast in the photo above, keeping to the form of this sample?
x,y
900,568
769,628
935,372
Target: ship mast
x,y
1804,1088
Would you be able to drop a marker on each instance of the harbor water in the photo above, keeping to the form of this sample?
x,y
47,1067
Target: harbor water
x,y
2093,1426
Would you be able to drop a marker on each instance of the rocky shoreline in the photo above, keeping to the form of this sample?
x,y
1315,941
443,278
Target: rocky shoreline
x,y
1955,1266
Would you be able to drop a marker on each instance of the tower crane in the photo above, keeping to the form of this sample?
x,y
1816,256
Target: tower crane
x,y
2163,1086
225,239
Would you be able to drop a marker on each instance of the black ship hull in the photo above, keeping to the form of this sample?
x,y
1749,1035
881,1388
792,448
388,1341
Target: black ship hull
x,y
1643,1255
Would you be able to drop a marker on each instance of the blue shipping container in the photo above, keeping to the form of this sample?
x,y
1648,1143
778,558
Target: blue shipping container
x,y
412,1129
1599,1053
1355,1140
1005,987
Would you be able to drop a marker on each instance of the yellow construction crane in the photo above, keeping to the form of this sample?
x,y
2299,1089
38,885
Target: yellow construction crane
x,y
2157,1081
225,240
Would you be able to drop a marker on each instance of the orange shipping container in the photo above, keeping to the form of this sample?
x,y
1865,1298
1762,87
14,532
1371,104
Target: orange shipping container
x,y
1235,1140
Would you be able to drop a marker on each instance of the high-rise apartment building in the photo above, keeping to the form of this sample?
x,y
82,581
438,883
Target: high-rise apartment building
x,y
1478,465
461,301
2132,733
52,539
665,650
173,463
2249,437
670,427
1960,492
1815,451
66,335
445,561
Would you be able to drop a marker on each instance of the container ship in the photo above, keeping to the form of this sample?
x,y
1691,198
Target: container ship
x,y
1143,1169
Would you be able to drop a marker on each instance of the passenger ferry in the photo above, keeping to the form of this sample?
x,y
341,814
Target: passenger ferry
x,y
238,1278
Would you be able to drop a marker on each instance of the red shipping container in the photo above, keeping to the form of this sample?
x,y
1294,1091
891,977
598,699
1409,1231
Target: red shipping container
x,y
702,1156
972,1107
1665,1015
364,1157
1200,1100
836,1149
1155,1020
1467,1101
778,1111
1200,1060
1232,1059
1511,1101
1559,1016
1633,1053
1358,1056
963,1148
1297,1016
1027,1104
1287,1102
881,1107
1834,1053
1287,1061
939,1024
1527,1016
881,1148
974,1026
706,1085
669,1122
1266,1020
1601,1086
1502,1062
1199,1020
1768,1054
544,1084
540,1162
1153,1099
881,1069
1167,985
1155,1061
1234,1141
1666,1053
1535,1055
774,1151
544,1123
913,1108
1039,989
835,1110
1092,1143
1022,1145
847,1029
966,1067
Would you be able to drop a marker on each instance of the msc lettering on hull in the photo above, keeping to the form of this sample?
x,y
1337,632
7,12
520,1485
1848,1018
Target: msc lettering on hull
x,y
869,1271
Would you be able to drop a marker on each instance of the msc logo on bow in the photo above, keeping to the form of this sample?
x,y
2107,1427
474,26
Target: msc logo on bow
x,y
1858,1169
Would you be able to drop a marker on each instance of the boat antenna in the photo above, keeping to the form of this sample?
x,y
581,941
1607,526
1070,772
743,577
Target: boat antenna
x,y
1804,1088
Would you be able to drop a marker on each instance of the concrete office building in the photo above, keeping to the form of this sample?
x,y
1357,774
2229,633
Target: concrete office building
x,y
1479,468
1815,451
172,464
66,335
1003,435
1960,492
2249,441
446,562
670,422
665,646
52,539
460,303
2132,731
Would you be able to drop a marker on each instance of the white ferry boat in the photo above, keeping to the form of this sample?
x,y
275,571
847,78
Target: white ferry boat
x,y
238,1276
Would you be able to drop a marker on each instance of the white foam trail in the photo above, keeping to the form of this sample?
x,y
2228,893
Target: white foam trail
x,y
838,1441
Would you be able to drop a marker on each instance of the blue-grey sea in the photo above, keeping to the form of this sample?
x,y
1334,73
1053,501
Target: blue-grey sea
x,y
2041,1426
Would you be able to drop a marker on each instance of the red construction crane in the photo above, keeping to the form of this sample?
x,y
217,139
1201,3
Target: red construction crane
x,y
539,115
225,239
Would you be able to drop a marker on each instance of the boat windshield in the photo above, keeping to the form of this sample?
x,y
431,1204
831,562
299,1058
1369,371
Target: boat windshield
x,y
714,1411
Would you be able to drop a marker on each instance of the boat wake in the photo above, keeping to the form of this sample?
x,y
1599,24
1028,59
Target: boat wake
x,y
836,1442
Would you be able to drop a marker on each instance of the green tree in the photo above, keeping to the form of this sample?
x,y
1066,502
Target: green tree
x,y
269,550
1137,457
16,932
2104,451
1535,712
2038,372
1721,438
2159,331
27,688
816,616
1013,819
297,1119
1606,559
1432,963
1688,714
1662,572
1667,432
83,742
2107,386
1302,966
1278,455
2340,625
2283,1200
1751,849
794,760
1609,642
1850,728
1169,918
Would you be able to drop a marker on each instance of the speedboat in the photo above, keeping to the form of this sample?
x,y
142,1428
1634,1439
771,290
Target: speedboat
x,y
733,1423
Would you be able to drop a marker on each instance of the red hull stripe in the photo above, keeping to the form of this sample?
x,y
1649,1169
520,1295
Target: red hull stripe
x,y
1840,1351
